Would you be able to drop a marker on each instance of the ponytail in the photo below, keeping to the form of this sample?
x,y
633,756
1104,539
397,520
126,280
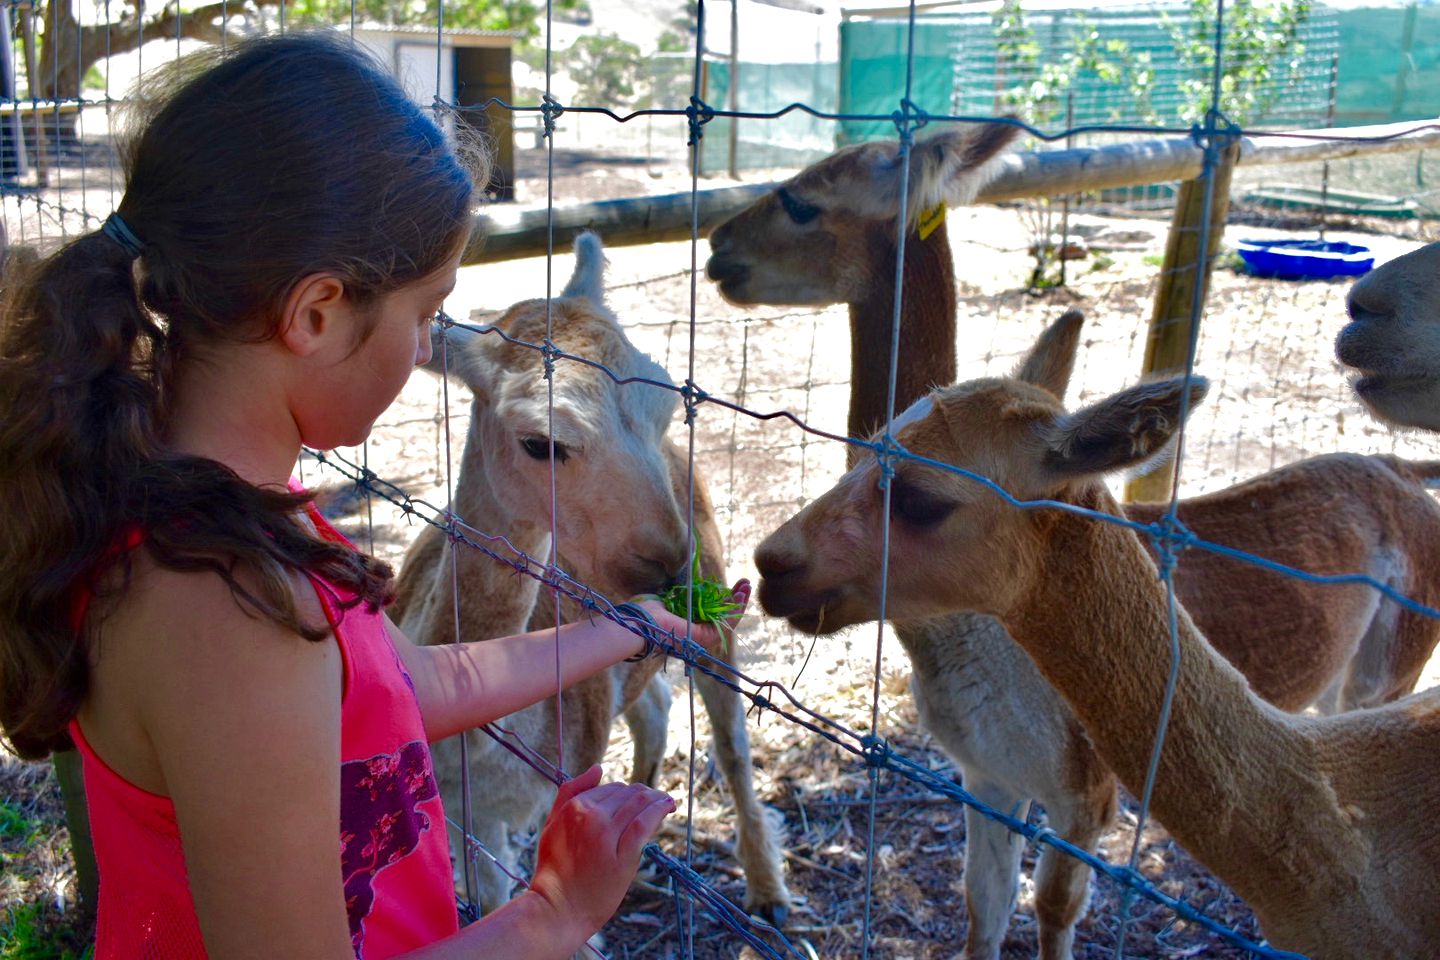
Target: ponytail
x,y
78,407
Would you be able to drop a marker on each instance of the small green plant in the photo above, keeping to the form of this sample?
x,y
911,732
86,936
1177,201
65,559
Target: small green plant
x,y
31,932
711,601
14,824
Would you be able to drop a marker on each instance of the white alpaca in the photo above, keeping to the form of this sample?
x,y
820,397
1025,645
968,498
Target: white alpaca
x,y
621,531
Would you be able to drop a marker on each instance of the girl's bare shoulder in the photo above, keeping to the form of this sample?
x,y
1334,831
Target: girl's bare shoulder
x,y
179,659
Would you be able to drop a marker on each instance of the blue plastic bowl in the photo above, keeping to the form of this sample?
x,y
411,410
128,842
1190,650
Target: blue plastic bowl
x,y
1304,259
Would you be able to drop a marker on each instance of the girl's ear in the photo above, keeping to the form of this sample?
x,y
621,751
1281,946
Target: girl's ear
x,y
314,314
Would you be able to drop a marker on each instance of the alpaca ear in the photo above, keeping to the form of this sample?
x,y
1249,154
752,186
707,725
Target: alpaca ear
x,y
946,168
447,346
1125,430
587,280
950,167
1052,359
461,352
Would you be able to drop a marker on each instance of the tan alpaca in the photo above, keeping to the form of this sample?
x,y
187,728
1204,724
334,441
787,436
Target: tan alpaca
x,y
1337,647
1393,339
621,531
1324,825
828,235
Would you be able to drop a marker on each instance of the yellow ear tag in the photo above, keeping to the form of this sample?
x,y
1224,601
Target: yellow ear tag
x,y
930,220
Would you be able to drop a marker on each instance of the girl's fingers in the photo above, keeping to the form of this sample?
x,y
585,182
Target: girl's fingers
x,y
646,824
630,806
580,784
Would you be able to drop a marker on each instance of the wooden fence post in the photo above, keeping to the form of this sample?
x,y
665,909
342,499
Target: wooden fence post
x,y
77,819
1184,269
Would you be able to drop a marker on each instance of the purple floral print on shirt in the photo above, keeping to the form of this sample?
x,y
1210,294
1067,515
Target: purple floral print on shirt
x,y
380,822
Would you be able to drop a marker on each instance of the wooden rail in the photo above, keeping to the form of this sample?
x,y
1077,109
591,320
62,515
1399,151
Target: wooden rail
x,y
510,234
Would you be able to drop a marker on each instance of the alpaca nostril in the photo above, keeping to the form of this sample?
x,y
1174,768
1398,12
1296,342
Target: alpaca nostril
x,y
720,240
775,565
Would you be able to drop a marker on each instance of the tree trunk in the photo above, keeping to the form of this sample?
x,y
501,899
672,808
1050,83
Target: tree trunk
x,y
68,50
59,69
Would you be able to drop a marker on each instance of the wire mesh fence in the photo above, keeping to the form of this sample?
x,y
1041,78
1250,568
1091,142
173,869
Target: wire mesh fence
x,y
851,748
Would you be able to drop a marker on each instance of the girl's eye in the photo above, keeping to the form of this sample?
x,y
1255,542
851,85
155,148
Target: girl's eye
x,y
796,209
538,448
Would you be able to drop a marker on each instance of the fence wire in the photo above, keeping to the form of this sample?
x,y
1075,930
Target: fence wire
x,y
46,211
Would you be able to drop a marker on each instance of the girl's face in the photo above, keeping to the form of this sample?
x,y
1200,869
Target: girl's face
x,y
351,394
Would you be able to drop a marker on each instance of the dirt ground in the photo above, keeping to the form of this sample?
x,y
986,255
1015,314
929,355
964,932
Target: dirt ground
x,y
1277,396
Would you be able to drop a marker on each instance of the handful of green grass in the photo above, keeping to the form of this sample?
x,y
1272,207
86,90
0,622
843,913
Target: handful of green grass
x,y
710,602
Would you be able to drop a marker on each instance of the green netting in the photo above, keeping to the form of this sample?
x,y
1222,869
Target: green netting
x,y
964,66
872,71
1389,64
795,139
1388,69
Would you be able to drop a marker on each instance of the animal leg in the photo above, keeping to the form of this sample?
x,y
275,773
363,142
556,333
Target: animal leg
x,y
647,719
1371,677
1062,883
765,893
992,867
492,889
1392,655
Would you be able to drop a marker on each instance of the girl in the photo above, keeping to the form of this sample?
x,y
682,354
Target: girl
x,y
290,225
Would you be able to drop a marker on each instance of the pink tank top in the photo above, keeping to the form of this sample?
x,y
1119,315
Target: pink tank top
x,y
394,852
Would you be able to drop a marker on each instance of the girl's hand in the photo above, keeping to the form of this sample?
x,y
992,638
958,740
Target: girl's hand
x,y
708,635
590,847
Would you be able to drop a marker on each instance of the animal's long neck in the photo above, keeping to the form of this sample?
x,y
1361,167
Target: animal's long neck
x,y
1238,782
927,328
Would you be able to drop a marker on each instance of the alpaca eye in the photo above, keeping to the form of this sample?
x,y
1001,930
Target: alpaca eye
x,y
917,507
798,210
538,448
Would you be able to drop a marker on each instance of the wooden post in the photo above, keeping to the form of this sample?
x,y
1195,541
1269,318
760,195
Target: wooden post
x,y
734,131
27,32
77,819
1183,271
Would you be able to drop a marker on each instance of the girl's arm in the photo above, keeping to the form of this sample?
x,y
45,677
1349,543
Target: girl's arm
x,y
462,685
244,718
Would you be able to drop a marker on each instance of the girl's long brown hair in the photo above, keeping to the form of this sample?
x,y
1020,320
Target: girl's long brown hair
x,y
285,157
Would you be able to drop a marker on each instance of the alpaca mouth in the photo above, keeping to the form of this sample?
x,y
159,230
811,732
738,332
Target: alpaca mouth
x,y
814,623
1369,383
727,273
811,613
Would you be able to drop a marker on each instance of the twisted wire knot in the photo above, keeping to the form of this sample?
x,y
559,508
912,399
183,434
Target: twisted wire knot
x,y
550,111
887,452
548,353
1171,538
876,750
909,119
1217,130
692,396
699,113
